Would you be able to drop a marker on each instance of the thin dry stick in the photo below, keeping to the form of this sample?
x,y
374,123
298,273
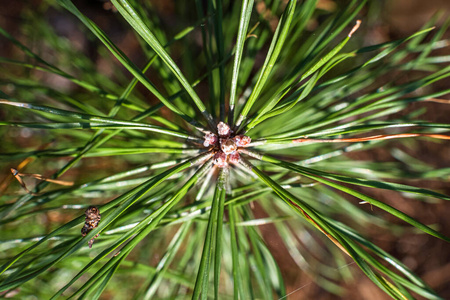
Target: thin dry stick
x,y
19,176
8,179
358,23
372,138
443,101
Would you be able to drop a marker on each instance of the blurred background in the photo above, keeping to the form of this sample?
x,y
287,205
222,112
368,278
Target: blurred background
x,y
388,20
